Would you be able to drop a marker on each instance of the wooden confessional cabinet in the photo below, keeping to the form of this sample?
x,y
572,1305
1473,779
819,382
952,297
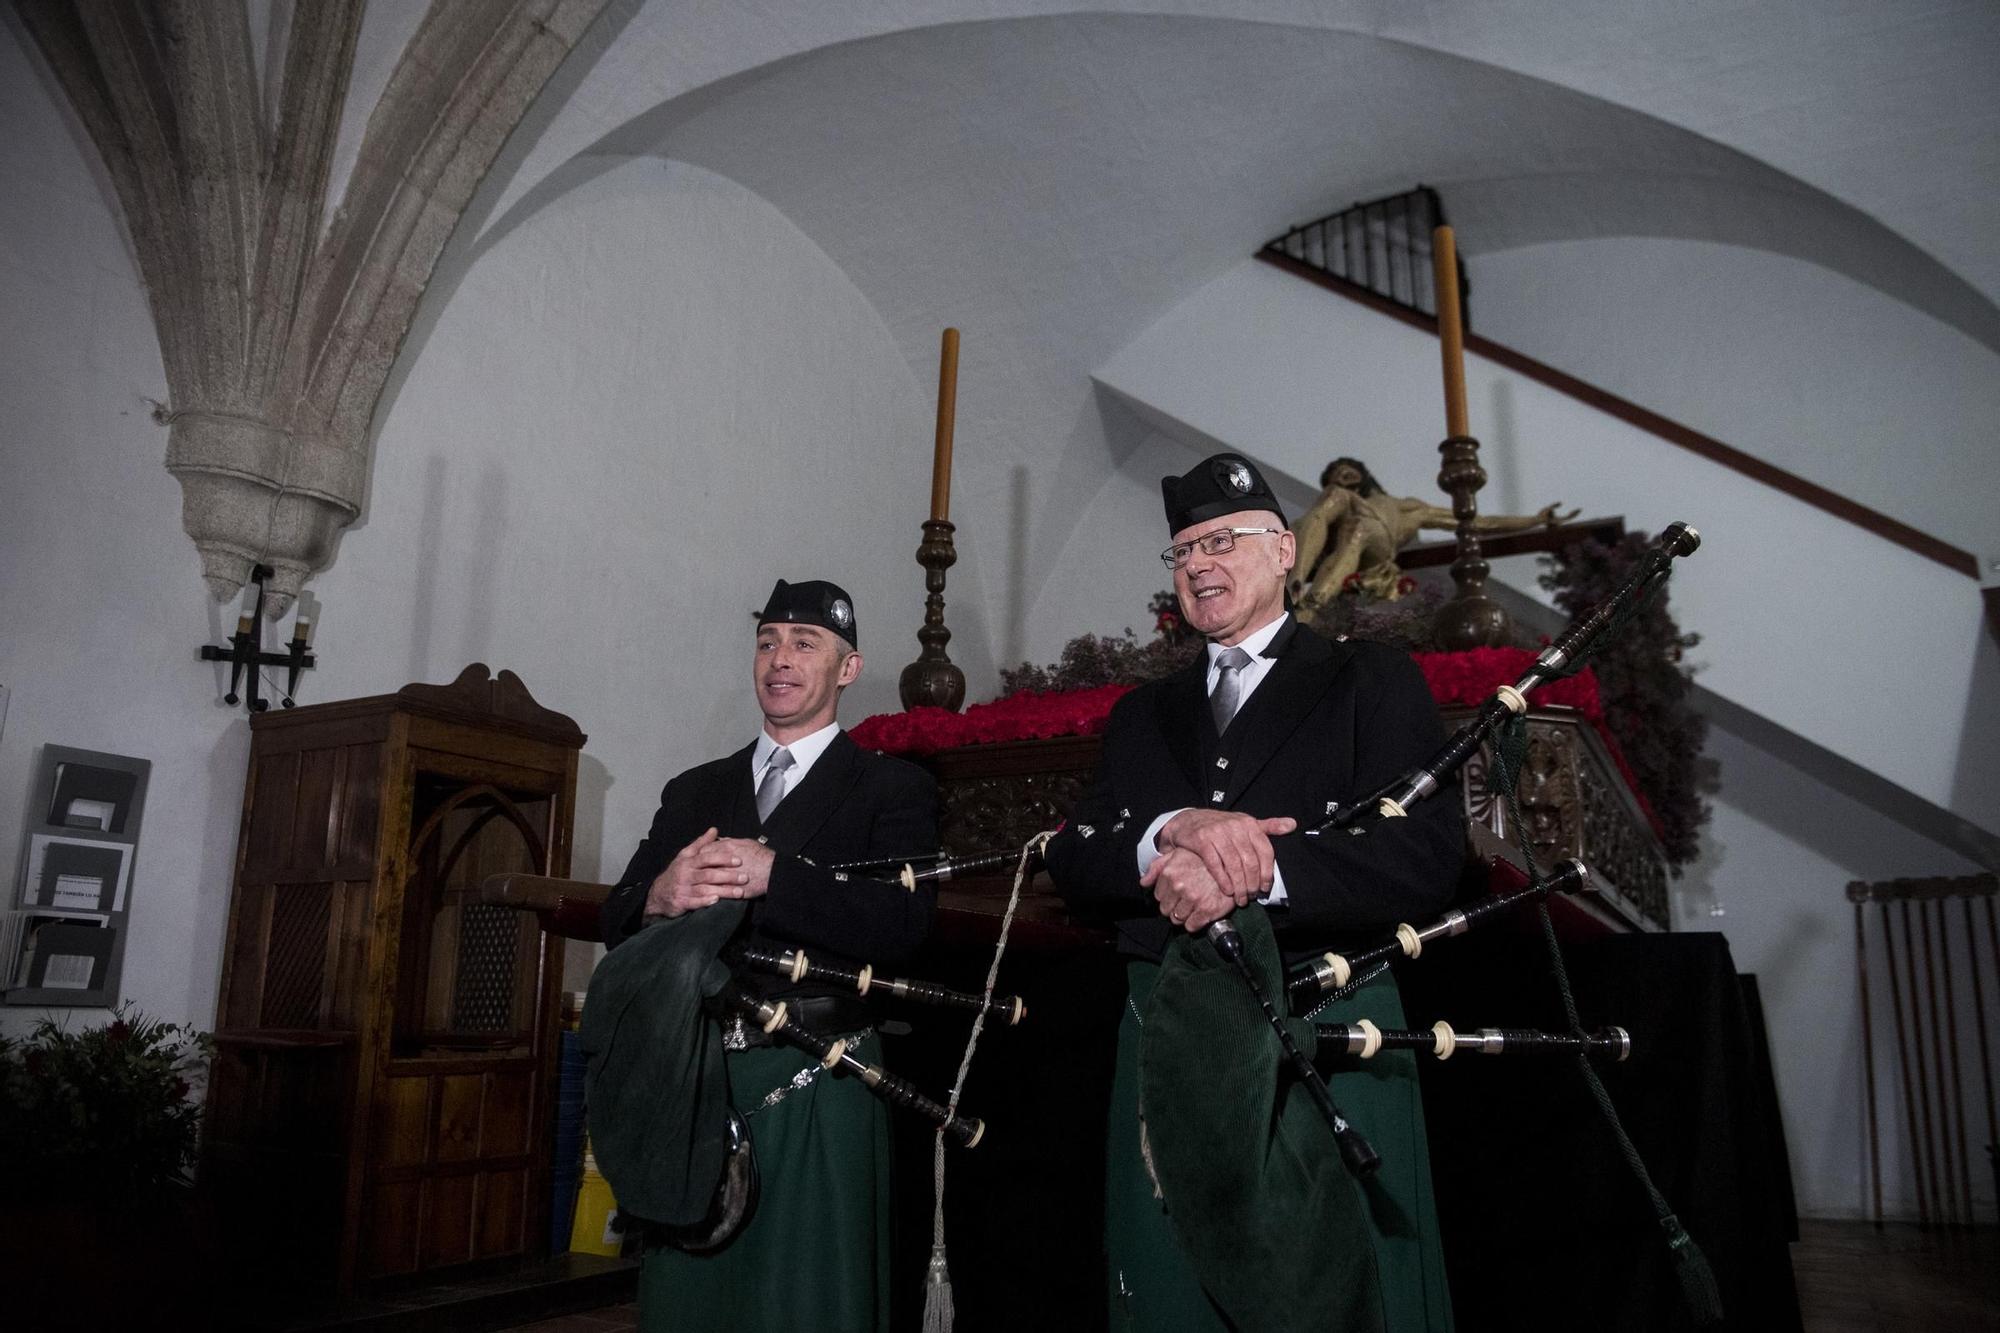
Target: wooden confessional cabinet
x,y
383,1089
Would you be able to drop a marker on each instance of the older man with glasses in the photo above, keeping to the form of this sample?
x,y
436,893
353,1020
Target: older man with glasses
x,y
1206,780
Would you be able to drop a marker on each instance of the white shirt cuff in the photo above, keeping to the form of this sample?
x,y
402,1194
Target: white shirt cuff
x,y
1149,852
1277,896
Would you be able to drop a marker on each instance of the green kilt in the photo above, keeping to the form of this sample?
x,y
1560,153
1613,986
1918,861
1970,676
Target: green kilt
x,y
815,1254
1153,1289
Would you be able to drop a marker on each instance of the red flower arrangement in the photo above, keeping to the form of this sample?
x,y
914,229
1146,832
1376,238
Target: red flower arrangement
x,y
1019,717
1464,679
1467,679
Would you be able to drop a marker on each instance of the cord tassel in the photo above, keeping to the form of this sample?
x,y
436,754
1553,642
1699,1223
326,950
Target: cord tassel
x,y
938,1312
1697,1279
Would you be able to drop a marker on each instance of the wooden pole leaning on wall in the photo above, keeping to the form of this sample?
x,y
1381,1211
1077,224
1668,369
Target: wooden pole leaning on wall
x,y
1868,1063
1924,1120
1979,1015
933,679
1903,1065
1470,619
1955,1146
1929,1051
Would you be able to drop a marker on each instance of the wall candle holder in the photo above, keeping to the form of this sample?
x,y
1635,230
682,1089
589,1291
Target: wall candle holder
x,y
246,647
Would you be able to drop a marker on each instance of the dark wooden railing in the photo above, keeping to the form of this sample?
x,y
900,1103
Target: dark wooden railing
x,y
1379,254
1382,247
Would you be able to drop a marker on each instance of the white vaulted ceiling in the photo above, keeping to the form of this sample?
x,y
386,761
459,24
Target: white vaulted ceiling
x,y
1887,108
1056,181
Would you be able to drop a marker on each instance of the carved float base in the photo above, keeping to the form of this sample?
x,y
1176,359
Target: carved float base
x,y
1573,801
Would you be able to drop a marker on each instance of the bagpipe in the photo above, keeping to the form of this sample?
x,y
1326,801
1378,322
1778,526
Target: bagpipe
x,y
1565,655
1310,982
1362,1038
1331,973
794,965
677,1150
773,1017
1560,658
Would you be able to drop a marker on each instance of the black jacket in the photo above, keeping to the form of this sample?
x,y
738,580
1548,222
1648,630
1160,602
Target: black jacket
x,y
851,805
1330,722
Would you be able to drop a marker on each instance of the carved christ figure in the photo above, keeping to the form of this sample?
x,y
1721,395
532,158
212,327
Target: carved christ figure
x,y
1355,529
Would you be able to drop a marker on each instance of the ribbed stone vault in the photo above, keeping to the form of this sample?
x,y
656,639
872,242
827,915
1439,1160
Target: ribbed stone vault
x,y
276,336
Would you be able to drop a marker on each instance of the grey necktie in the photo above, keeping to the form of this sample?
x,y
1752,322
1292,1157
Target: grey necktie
x,y
1228,696
772,789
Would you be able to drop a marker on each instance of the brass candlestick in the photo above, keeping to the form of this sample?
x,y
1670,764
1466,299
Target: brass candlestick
x,y
1470,619
932,679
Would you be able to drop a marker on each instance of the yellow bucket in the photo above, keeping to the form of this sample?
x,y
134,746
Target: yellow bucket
x,y
596,1212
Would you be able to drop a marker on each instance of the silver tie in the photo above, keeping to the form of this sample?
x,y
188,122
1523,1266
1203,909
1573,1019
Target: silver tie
x,y
772,789
1228,696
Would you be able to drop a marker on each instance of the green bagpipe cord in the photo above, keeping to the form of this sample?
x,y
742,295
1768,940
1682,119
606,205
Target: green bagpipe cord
x,y
1255,1187
655,1086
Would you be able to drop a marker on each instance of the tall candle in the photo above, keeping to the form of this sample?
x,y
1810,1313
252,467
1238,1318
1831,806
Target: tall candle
x,y
1451,333
947,412
246,613
308,618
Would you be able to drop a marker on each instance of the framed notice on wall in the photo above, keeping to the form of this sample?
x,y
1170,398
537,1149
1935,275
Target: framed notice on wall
x,y
64,941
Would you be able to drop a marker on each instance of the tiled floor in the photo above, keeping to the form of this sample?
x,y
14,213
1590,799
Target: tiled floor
x,y
1852,1278
613,1319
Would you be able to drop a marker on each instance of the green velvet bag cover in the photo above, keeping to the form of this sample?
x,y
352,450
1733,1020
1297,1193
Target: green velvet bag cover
x,y
1252,1176
656,1093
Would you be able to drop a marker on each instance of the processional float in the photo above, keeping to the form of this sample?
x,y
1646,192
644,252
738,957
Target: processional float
x,y
1470,620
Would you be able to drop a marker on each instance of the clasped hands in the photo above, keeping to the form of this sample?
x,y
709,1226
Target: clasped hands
x,y
1211,863
708,870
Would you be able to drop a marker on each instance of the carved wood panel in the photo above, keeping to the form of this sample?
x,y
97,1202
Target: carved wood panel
x,y
1573,802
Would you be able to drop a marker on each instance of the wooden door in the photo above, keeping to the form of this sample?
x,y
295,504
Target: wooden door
x,y
457,1105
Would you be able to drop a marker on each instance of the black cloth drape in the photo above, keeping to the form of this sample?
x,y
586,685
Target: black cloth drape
x,y
1544,1225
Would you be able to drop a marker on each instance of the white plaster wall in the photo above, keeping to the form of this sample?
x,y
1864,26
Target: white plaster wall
x,y
101,603
1792,363
1295,376
1775,864
1109,561
637,411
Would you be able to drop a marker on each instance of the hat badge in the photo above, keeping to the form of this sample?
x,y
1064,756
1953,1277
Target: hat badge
x,y
842,613
1238,476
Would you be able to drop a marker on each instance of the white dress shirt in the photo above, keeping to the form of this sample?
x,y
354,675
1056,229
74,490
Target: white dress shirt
x,y
805,751
1250,677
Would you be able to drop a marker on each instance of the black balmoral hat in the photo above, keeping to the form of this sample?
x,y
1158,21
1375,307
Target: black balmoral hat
x,y
814,602
1218,485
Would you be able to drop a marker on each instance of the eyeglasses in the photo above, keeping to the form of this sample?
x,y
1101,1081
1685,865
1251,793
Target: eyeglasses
x,y
1220,542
